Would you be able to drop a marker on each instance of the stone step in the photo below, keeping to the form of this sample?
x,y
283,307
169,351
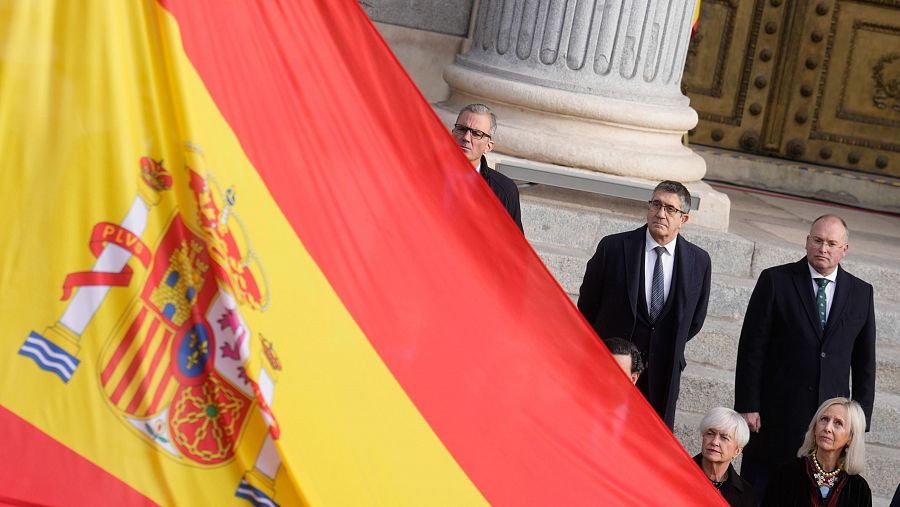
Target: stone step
x,y
574,227
566,264
717,343
882,472
728,296
882,462
887,321
704,387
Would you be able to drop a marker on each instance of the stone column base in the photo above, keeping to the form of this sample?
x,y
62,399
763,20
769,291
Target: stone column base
x,y
572,129
714,211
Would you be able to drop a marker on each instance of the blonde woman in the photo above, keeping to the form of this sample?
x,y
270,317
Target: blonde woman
x,y
826,471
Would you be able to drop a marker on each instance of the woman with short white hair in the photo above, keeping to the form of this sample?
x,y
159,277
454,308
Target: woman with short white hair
x,y
826,471
724,433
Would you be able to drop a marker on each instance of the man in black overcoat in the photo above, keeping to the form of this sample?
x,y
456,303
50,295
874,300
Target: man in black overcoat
x,y
652,287
809,328
474,131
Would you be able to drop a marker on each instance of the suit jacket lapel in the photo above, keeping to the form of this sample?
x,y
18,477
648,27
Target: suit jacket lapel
x,y
803,285
683,261
841,294
634,258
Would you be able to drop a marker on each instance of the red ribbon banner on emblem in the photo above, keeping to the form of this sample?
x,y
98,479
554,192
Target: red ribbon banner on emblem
x,y
103,234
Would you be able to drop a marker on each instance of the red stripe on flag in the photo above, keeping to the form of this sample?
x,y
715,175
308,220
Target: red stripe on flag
x,y
451,296
148,377
136,362
160,390
123,346
35,469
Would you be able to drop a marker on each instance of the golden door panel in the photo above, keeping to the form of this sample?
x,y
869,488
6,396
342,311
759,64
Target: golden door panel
x,y
811,81
714,67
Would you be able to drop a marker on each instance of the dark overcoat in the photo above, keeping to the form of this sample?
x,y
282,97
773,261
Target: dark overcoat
x,y
505,189
609,296
792,486
736,491
787,365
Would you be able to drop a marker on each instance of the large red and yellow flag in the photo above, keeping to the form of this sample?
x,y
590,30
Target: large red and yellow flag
x,y
242,261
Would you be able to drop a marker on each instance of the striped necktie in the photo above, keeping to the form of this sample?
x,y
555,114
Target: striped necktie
x,y
657,287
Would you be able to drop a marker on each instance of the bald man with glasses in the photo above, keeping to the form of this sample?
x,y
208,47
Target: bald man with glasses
x,y
474,132
652,287
808,330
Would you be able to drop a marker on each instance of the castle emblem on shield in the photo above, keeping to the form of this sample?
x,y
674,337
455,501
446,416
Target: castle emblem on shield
x,y
175,367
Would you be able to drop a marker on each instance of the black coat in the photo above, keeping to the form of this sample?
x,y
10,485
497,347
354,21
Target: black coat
x,y
786,365
609,297
736,491
505,189
791,486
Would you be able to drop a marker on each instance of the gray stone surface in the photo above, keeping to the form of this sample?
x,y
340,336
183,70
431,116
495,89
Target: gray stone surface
x,y
728,296
872,271
809,180
449,17
887,376
729,253
550,225
882,470
588,48
704,387
566,268
716,344
887,322
424,55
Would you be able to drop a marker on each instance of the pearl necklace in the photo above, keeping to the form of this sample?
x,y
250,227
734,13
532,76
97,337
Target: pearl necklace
x,y
823,478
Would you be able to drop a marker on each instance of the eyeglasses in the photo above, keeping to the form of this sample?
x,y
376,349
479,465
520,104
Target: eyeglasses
x,y
654,206
461,130
815,240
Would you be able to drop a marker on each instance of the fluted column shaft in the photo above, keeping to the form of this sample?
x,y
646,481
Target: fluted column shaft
x,y
591,47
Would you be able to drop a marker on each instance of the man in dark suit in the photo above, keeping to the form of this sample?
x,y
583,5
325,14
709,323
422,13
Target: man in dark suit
x,y
652,287
809,326
474,132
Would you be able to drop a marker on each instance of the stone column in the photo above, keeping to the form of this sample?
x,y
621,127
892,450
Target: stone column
x,y
592,84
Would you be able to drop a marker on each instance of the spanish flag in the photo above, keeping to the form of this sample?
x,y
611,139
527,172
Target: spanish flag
x,y
242,262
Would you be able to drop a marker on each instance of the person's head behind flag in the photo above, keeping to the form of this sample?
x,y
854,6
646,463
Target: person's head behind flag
x,y
474,131
627,355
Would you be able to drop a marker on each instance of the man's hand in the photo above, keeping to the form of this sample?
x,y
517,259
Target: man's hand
x,y
753,421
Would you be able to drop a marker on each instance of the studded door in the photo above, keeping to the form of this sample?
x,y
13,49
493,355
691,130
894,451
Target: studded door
x,y
805,80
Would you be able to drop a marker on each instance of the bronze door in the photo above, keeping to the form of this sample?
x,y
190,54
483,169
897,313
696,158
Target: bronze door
x,y
813,81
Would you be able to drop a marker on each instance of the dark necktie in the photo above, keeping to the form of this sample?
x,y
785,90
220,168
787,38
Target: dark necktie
x,y
821,299
657,287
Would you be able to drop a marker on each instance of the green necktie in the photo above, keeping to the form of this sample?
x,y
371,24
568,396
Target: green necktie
x,y
821,299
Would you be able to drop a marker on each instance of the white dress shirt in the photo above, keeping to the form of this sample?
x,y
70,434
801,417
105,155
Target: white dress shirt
x,y
668,264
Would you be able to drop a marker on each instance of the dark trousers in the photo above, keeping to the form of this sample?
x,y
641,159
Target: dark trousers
x,y
757,473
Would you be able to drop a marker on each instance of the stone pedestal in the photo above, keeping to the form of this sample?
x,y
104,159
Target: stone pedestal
x,y
590,84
